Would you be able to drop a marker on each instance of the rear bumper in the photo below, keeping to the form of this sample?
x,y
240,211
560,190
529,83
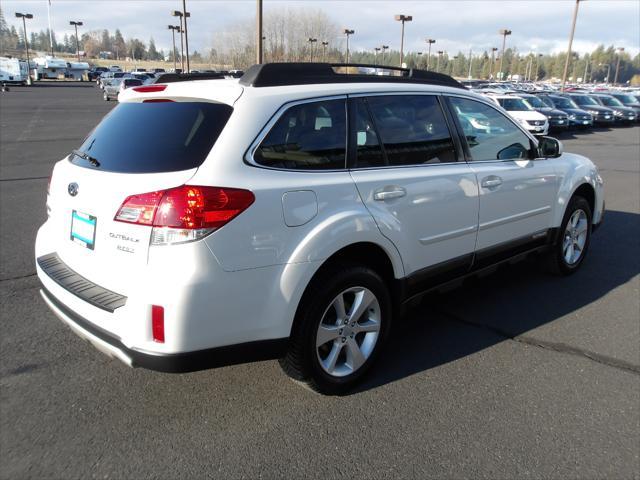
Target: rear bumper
x,y
112,346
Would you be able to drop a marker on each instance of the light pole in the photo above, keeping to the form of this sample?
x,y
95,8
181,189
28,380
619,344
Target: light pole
x,y
375,55
504,32
440,52
573,29
384,49
324,51
455,57
183,34
259,36
402,18
348,32
470,63
430,41
173,29
608,65
538,57
76,25
25,17
493,61
312,41
186,31
615,79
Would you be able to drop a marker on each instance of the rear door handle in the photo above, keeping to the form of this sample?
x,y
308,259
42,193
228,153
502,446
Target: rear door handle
x,y
491,181
388,193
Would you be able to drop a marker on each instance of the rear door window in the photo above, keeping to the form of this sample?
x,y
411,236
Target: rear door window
x,y
153,137
413,129
309,136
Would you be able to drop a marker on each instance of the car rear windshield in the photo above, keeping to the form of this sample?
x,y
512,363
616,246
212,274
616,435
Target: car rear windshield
x,y
153,137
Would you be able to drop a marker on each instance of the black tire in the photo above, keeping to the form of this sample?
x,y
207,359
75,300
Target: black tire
x,y
556,262
301,361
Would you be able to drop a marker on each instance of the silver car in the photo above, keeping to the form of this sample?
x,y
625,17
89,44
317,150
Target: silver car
x,y
117,85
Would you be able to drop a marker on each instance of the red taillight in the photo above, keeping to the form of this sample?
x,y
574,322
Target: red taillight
x,y
186,207
150,88
157,323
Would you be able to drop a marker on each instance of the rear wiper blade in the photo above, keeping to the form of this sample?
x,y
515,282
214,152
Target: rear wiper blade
x,y
87,157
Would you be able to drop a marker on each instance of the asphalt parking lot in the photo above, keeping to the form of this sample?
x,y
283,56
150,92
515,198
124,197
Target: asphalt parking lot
x,y
518,374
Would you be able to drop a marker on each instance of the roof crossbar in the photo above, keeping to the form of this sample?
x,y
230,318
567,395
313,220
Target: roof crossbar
x,y
283,74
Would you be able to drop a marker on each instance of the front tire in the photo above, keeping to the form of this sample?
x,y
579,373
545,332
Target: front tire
x,y
567,255
342,323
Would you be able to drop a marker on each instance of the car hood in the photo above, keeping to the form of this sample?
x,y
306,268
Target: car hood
x,y
527,114
551,111
575,111
598,108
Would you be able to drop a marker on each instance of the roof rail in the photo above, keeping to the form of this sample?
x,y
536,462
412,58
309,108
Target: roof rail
x,y
282,74
185,77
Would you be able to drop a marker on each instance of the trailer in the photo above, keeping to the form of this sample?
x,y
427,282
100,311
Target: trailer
x,y
13,71
50,67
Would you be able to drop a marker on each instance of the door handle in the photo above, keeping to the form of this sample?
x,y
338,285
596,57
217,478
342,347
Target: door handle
x,y
491,181
388,193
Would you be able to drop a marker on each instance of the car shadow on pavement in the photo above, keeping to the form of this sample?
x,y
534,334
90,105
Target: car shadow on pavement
x,y
516,299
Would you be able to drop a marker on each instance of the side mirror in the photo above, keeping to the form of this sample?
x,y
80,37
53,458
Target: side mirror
x,y
549,147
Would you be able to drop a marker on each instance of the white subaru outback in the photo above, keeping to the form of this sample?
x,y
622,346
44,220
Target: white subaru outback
x,y
292,214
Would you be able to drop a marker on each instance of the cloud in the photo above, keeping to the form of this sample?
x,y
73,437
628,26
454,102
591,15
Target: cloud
x,y
457,25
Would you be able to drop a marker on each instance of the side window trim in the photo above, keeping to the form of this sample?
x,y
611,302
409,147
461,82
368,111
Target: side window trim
x,y
352,147
353,133
532,142
248,157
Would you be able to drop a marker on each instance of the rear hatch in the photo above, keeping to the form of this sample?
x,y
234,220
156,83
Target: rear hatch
x,y
137,148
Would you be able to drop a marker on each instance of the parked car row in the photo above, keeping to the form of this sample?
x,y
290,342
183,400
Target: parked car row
x,y
542,111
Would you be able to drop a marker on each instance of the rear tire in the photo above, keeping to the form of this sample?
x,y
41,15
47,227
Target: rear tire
x,y
567,255
341,325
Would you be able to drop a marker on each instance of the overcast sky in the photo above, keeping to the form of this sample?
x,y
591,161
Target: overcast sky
x,y
537,25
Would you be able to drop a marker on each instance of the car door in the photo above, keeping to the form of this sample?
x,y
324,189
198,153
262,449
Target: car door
x,y
404,162
517,191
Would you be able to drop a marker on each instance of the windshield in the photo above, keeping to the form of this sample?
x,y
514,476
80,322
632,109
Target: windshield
x,y
625,98
514,104
535,102
174,136
611,102
562,102
584,100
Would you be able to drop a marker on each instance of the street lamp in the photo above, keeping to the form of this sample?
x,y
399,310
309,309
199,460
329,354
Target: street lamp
x,y
183,36
384,49
606,80
430,41
348,32
402,18
375,55
324,51
538,57
615,79
573,29
440,52
312,41
76,25
25,17
173,29
493,61
455,57
504,32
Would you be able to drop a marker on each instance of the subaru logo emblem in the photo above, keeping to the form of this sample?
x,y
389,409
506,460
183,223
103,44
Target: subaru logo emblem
x,y
73,189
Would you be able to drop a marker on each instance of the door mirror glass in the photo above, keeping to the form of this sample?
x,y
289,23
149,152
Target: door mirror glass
x,y
549,147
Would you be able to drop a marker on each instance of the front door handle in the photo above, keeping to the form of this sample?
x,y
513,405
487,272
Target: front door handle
x,y
388,193
491,181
